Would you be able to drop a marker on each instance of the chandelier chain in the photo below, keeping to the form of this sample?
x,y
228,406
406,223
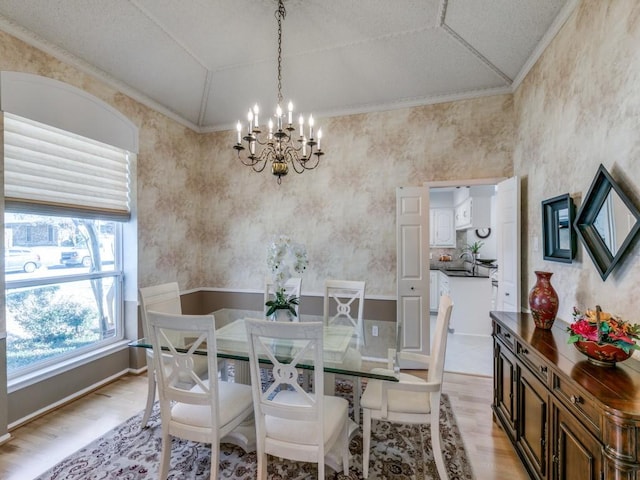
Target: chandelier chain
x,y
280,14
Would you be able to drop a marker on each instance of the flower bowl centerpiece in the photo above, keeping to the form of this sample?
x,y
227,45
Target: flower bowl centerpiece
x,y
604,338
283,256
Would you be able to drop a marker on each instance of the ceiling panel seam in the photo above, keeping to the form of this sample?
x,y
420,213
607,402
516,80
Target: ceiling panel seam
x,y
205,97
166,31
457,37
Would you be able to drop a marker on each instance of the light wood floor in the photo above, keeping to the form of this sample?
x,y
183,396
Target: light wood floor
x,y
42,443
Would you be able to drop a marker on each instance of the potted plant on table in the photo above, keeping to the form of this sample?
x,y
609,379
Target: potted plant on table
x,y
604,338
283,256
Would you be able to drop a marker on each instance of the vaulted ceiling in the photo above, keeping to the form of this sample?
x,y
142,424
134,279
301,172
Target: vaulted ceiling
x,y
205,62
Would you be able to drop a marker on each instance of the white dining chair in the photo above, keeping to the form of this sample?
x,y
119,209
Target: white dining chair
x,y
292,288
290,422
196,406
342,298
163,298
411,400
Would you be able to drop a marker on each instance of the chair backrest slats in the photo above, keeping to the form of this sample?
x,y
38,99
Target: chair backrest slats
x,y
177,379
163,298
439,344
285,345
345,295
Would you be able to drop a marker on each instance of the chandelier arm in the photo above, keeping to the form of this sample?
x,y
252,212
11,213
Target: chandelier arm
x,y
247,161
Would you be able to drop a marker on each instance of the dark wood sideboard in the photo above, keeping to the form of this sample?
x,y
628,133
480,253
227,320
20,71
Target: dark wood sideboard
x,y
567,419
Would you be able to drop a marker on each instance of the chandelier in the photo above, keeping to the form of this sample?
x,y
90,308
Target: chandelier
x,y
278,146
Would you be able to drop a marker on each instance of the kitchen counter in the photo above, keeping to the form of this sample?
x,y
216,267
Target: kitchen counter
x,y
455,271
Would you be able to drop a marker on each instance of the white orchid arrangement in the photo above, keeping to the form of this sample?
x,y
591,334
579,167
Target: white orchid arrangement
x,y
283,256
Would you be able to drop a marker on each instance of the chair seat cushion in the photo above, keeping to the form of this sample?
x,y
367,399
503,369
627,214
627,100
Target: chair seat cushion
x,y
303,432
233,399
398,401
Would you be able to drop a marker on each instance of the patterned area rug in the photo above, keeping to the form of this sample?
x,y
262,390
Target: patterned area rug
x,y
399,452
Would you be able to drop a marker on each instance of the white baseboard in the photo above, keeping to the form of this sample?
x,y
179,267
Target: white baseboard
x,y
137,371
5,438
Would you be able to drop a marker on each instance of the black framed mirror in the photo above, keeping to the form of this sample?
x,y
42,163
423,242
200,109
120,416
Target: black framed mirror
x,y
606,222
558,235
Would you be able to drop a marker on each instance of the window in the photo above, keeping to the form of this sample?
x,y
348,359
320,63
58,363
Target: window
x,y
66,199
63,296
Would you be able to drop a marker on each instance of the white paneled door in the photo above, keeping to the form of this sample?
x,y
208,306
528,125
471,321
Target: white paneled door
x,y
508,245
412,224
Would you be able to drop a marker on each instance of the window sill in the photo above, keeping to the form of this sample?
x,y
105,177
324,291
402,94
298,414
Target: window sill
x,y
22,381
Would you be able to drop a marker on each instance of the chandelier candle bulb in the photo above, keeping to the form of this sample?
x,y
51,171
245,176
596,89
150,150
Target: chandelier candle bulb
x,y
319,138
239,128
304,146
290,112
256,110
250,118
311,127
301,121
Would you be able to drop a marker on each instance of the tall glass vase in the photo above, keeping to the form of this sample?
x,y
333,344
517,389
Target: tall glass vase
x,y
543,301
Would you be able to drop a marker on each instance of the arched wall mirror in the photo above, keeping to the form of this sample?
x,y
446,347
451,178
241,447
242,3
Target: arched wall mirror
x,y
606,222
558,234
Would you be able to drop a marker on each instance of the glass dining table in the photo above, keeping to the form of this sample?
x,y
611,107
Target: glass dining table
x,y
345,352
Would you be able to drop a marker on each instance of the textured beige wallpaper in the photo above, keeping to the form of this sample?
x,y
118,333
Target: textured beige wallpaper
x,y
580,107
344,211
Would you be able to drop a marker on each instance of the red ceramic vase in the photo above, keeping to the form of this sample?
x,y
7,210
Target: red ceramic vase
x,y
543,301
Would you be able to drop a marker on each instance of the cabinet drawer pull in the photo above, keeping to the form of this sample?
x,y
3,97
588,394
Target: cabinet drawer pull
x,y
507,335
576,399
525,351
543,369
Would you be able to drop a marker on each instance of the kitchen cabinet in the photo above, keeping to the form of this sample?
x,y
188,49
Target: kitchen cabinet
x,y
567,419
434,290
441,228
473,212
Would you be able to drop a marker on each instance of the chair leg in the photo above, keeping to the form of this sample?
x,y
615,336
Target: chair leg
x,y
357,391
366,441
215,460
222,367
165,456
151,396
436,441
262,466
345,449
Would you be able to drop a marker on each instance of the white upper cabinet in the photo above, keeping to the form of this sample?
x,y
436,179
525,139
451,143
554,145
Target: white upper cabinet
x,y
473,211
442,232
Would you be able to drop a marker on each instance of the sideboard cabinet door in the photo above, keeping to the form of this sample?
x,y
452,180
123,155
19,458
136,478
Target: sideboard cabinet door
x,y
504,388
533,420
577,454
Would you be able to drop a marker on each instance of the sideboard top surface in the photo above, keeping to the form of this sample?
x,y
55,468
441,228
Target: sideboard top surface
x,y
617,388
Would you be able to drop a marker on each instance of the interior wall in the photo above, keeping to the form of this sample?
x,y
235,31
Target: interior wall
x,y
580,107
344,211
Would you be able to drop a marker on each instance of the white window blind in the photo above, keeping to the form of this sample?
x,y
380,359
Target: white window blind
x,y
53,171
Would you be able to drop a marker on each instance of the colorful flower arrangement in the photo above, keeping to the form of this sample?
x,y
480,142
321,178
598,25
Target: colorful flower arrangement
x,y
283,256
603,328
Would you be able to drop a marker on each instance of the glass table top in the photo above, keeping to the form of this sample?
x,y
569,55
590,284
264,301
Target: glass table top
x,y
345,352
